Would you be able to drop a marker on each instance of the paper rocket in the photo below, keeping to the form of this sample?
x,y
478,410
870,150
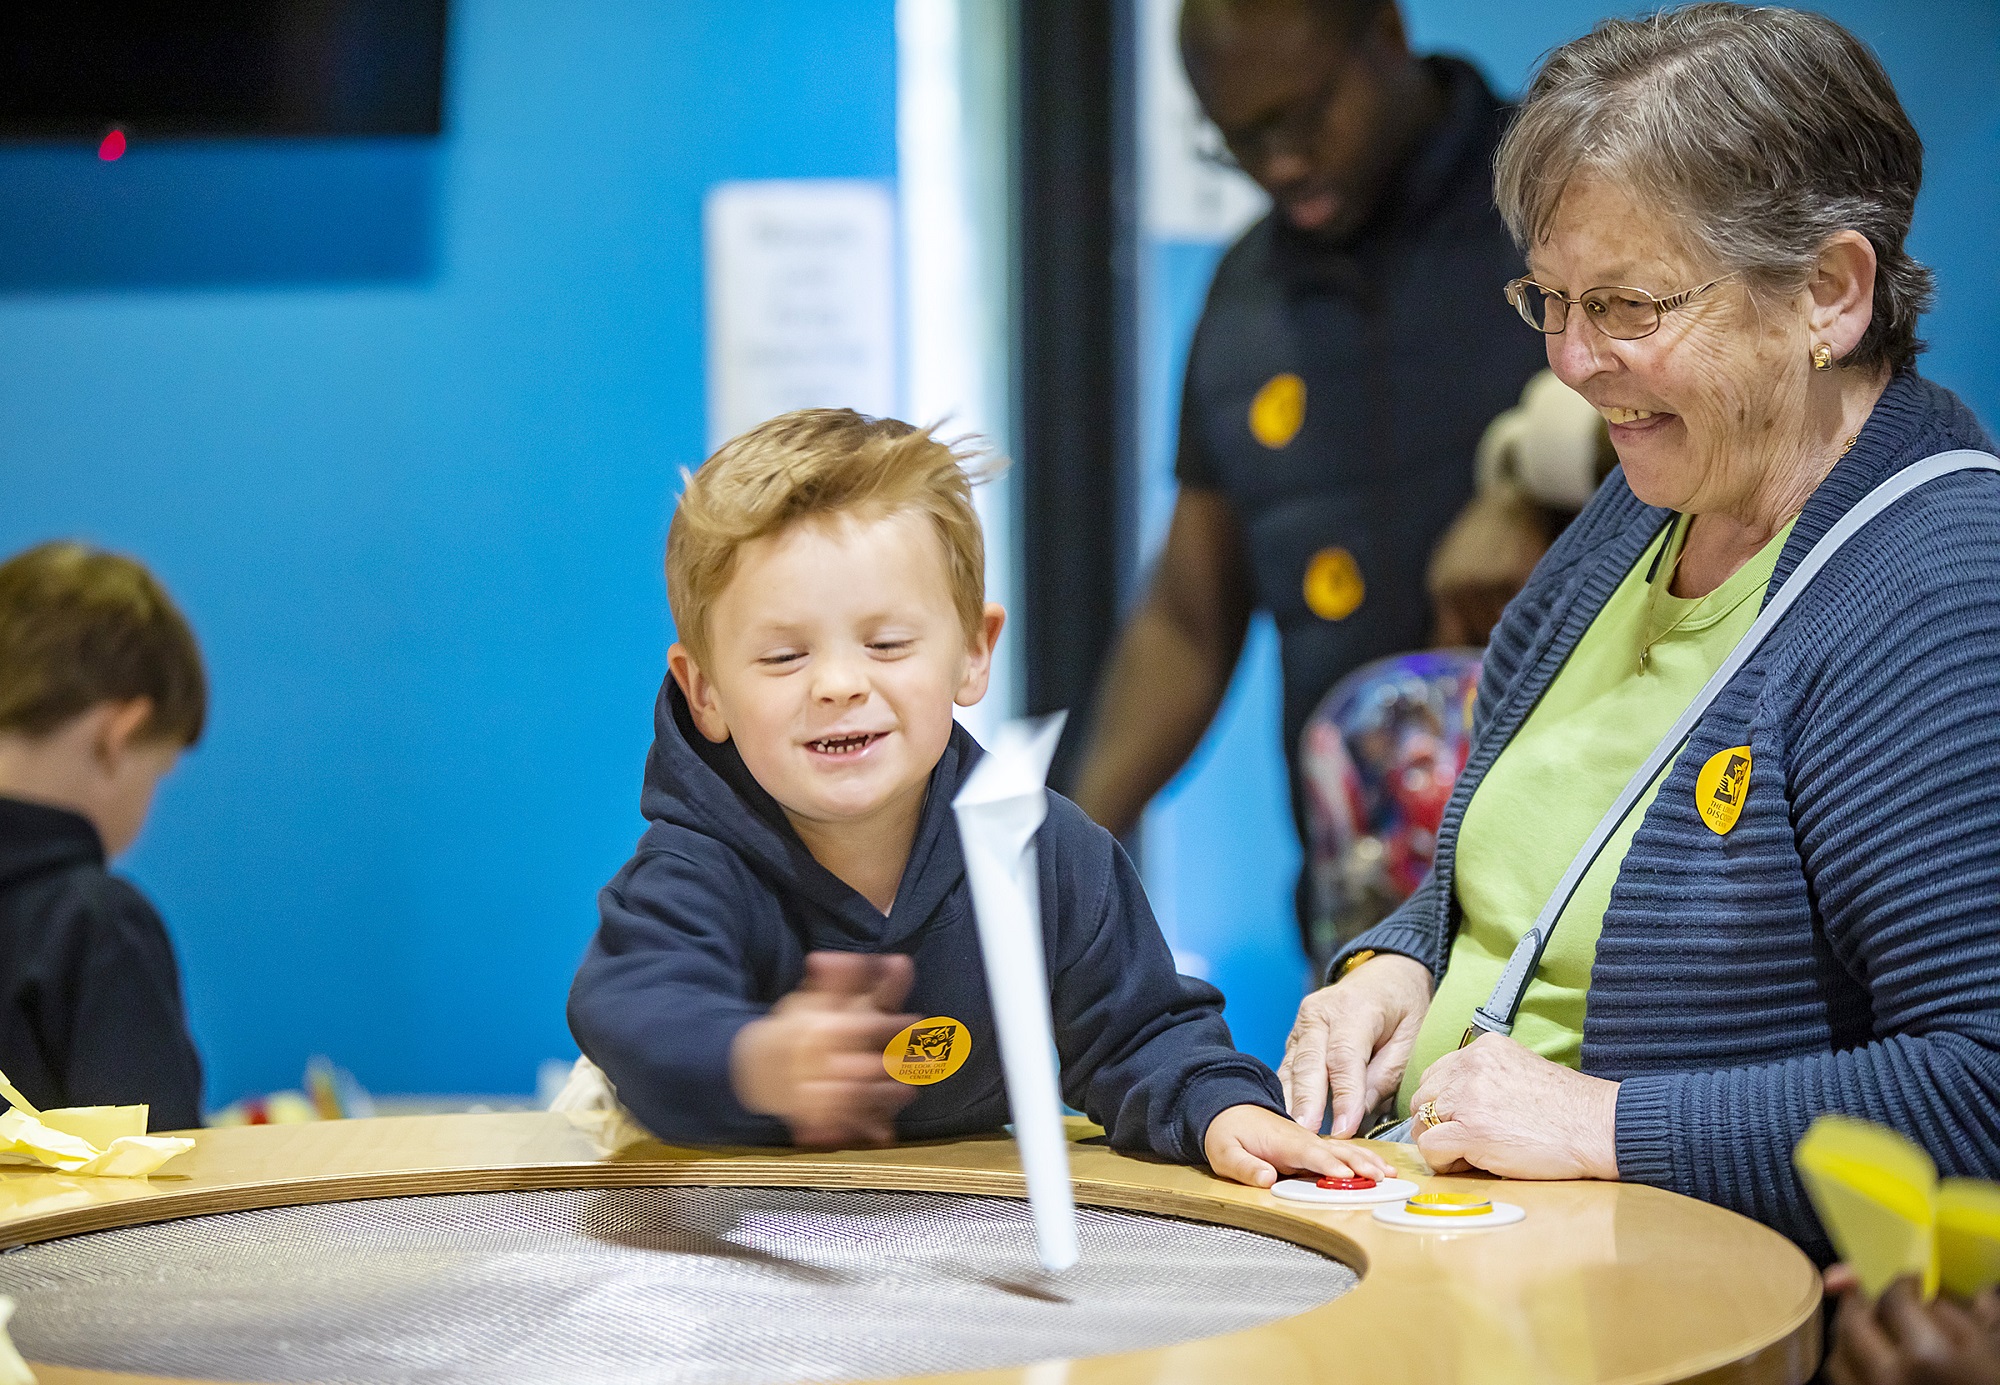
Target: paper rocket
x,y
999,809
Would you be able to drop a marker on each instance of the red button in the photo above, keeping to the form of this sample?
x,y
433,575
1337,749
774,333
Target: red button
x,y
1347,1185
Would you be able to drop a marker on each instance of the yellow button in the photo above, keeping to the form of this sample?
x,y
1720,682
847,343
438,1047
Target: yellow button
x,y
1333,586
1278,411
1449,1205
1721,787
928,1051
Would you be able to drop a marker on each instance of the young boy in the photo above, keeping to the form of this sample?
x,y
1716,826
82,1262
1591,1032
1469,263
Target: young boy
x,y
791,954
101,689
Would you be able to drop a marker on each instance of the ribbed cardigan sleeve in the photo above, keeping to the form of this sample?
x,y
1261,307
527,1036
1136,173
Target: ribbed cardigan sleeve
x,y
1892,772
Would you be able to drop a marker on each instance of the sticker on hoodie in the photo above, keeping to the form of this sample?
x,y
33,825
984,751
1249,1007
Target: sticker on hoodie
x,y
928,1051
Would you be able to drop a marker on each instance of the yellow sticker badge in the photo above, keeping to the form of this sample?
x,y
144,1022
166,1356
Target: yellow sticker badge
x,y
1720,788
1333,585
1278,411
928,1051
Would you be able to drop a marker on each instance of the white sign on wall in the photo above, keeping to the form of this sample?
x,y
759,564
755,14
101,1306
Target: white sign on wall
x,y
801,289
1182,196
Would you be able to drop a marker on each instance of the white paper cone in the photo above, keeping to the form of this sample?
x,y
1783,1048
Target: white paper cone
x,y
998,811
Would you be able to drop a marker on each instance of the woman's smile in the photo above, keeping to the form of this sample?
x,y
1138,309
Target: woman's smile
x,y
1628,426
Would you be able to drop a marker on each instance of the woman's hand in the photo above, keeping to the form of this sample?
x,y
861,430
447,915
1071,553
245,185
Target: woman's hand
x,y
1901,1340
1353,1040
1512,1112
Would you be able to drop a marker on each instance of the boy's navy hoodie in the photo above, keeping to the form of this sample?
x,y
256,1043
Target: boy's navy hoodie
x,y
90,998
709,923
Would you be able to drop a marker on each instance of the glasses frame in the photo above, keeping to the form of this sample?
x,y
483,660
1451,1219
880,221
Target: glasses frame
x,y
1661,306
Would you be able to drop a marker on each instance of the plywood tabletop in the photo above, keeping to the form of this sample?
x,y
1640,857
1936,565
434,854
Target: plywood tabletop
x,y
1600,1283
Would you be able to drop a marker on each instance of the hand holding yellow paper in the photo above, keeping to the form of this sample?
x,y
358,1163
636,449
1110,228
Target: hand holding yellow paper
x,y
1880,1198
105,1141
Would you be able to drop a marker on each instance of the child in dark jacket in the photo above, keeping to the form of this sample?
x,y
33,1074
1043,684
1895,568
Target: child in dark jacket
x,y
791,954
101,689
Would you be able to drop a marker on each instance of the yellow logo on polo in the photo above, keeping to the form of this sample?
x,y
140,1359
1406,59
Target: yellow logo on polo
x,y
1278,411
1721,787
928,1051
1333,585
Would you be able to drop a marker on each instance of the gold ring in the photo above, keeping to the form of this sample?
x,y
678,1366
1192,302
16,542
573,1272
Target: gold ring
x,y
1428,1114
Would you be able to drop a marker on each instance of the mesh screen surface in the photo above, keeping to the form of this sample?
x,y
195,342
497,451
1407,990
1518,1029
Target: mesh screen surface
x,y
638,1284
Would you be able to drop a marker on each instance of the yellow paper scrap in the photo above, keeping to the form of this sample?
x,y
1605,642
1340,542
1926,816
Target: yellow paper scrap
x,y
13,1370
97,1125
1968,1236
1877,1193
103,1141
591,1104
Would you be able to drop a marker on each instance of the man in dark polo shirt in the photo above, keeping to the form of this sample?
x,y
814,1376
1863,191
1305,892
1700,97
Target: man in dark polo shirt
x,y
1354,346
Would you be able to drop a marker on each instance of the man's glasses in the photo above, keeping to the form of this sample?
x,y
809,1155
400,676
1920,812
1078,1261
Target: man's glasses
x,y
1624,314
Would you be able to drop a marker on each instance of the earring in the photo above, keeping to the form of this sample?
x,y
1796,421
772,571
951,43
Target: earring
x,y
1822,357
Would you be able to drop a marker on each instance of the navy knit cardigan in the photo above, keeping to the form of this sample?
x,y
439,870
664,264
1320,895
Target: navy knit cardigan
x,y
1839,949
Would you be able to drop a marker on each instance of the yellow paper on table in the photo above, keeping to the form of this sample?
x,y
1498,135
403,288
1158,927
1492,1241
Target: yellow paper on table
x,y
105,1141
1968,1236
1877,1194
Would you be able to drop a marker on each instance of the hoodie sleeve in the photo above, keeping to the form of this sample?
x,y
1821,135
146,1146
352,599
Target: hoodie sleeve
x,y
663,990
1145,1051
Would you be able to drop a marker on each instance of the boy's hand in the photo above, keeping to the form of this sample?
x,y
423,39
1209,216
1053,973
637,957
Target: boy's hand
x,y
1252,1145
815,1062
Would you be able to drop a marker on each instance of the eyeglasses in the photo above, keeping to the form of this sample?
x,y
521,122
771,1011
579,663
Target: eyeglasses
x,y
1623,314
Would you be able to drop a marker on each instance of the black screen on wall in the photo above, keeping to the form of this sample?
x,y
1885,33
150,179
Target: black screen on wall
x,y
73,69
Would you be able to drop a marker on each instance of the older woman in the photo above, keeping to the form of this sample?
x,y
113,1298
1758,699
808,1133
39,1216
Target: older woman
x,y
1802,912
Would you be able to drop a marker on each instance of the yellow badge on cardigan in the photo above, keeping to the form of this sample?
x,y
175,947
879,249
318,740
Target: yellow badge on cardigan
x,y
1333,586
1278,411
928,1051
1721,787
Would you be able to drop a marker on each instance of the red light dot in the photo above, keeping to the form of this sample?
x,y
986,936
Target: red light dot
x,y
113,146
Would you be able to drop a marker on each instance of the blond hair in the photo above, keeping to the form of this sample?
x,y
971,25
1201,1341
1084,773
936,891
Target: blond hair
x,y
78,627
815,463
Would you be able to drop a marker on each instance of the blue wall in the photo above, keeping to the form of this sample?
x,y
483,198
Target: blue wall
x,y
413,497
1220,851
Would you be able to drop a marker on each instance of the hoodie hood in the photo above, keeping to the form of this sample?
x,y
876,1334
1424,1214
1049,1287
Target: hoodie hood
x,y
696,786
36,838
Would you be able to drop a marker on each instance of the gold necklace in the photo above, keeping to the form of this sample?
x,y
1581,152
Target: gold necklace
x,y
1659,580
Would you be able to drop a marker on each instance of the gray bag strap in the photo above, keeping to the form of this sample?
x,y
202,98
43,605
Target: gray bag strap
x,y
1496,1016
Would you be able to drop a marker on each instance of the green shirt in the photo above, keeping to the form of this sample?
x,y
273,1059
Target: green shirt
x,y
1557,777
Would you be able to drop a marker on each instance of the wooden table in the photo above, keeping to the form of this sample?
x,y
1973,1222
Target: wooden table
x,y
1601,1282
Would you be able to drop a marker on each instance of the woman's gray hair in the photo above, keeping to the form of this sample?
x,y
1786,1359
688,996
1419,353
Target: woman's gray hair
x,y
1761,132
